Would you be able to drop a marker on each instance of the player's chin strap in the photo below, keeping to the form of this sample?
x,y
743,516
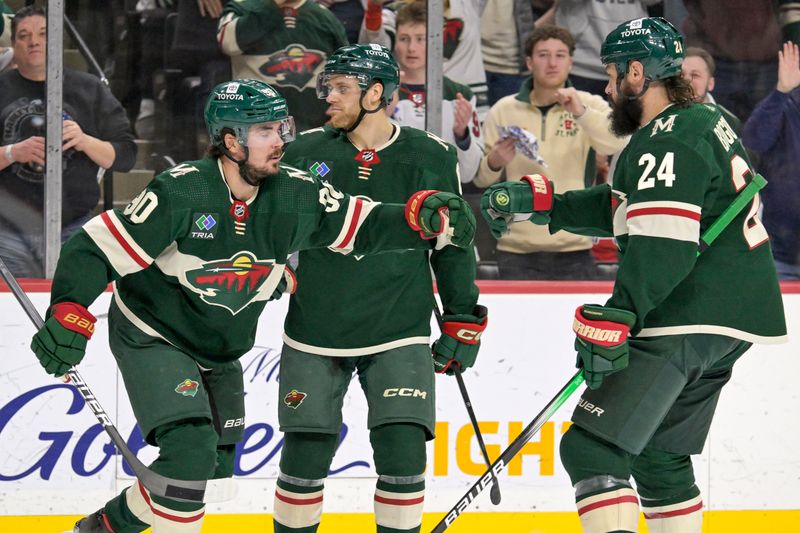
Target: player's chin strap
x,y
364,112
241,162
634,96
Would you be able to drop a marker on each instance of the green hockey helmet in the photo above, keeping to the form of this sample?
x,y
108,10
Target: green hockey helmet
x,y
239,104
654,42
367,63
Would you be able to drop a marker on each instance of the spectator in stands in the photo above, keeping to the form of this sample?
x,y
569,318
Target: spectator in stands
x,y
773,131
97,134
505,27
463,60
568,125
742,36
284,43
350,13
459,119
789,20
6,53
590,22
194,51
698,69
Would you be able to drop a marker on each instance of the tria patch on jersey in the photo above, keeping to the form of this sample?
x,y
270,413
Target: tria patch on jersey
x,y
205,226
319,169
231,283
294,398
187,387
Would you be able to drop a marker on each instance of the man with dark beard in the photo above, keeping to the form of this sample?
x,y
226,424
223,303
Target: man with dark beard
x,y
193,260
672,322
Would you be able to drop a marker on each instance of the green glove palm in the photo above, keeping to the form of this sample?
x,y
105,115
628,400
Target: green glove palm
x,y
460,341
601,341
504,203
443,216
61,343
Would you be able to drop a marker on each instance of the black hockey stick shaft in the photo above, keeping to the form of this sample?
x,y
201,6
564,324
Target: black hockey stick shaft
x,y
189,491
708,237
510,452
494,494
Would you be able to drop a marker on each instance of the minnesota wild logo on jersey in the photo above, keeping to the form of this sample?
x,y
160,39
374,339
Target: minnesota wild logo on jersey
x,y
295,66
453,29
232,283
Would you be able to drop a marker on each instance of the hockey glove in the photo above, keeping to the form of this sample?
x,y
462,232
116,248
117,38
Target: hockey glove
x,y
61,343
460,340
602,341
288,283
443,216
515,201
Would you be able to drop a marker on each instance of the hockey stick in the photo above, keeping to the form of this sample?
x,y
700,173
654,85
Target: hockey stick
x,y
494,494
189,491
708,237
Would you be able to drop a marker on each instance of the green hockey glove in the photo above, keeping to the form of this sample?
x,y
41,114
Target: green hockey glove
x,y
460,341
443,216
515,201
61,343
288,283
602,341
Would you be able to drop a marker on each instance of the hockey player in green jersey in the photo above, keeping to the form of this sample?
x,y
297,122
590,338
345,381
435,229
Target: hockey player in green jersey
x,y
384,333
676,321
193,260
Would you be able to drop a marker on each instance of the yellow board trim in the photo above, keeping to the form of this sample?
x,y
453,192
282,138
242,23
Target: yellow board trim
x,y
714,522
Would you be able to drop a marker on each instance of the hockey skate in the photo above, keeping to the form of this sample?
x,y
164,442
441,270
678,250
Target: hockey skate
x,y
94,523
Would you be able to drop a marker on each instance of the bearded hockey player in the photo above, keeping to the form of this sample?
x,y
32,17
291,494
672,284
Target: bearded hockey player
x,y
384,333
676,321
194,259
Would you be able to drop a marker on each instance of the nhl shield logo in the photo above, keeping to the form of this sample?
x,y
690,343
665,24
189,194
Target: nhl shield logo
x,y
294,398
368,157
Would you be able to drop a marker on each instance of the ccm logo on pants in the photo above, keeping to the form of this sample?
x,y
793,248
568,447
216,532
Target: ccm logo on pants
x,y
412,393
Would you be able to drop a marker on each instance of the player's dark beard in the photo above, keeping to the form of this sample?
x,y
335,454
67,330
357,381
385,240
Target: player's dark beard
x,y
626,115
254,176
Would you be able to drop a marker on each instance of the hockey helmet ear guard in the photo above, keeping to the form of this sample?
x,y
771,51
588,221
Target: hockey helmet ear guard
x,y
237,105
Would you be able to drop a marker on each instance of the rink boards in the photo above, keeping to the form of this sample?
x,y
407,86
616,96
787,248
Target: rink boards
x,y
54,461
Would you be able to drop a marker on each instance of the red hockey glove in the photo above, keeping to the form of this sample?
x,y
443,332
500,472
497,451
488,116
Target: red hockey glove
x,y
460,341
601,341
441,215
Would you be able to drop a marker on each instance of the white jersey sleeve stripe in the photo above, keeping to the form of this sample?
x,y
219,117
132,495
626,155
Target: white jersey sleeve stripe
x,y
670,220
125,256
357,211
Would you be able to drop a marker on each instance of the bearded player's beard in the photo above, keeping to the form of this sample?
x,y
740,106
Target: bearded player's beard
x,y
256,176
626,115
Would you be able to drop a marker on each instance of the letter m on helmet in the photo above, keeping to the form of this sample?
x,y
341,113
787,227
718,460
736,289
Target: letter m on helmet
x,y
654,42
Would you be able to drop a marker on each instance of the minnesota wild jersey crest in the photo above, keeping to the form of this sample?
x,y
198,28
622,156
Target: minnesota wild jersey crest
x,y
295,66
232,283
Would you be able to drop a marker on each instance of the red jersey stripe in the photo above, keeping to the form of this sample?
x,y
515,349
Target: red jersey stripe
x,y
395,501
676,512
122,242
297,501
354,223
606,503
162,514
674,211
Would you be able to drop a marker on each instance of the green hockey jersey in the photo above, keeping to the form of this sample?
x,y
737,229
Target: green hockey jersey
x,y
354,305
285,47
674,179
195,267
